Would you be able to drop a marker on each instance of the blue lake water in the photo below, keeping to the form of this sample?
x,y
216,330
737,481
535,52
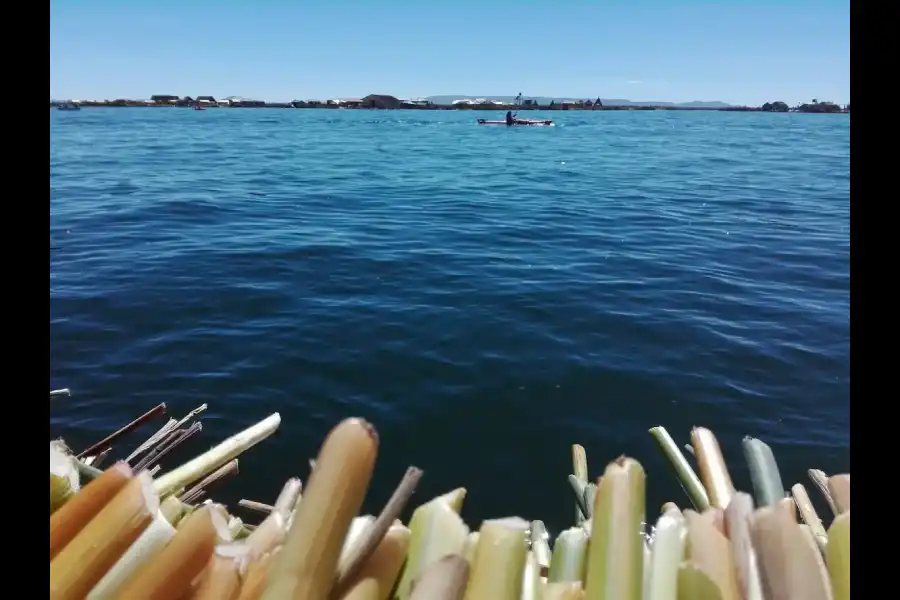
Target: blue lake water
x,y
487,296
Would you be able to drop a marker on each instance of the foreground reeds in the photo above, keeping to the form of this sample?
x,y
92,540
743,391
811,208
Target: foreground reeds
x,y
123,533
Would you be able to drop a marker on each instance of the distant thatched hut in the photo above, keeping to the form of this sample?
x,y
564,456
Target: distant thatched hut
x,y
381,101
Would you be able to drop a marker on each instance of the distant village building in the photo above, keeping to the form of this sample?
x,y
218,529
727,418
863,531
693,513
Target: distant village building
x,y
206,101
381,101
164,99
236,101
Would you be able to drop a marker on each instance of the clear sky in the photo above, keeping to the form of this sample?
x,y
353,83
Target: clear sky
x,y
736,51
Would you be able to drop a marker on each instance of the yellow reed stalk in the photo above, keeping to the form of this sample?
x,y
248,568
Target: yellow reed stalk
x,y
569,556
788,506
173,509
580,470
361,549
666,556
221,578
710,551
686,475
820,480
669,507
358,528
445,579
170,573
470,546
66,522
380,569
839,486
367,589
100,543
499,560
214,458
437,530
809,515
569,590
615,562
713,470
737,521
258,574
532,584
144,549
541,546
695,584
63,476
788,562
272,531
337,486
838,556
812,556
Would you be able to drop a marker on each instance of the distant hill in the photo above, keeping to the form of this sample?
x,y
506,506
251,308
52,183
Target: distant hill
x,y
544,100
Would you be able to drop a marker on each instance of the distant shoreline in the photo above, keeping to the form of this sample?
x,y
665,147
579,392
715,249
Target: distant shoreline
x,y
819,108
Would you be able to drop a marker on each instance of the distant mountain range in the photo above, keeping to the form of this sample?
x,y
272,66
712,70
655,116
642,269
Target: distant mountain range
x,y
544,100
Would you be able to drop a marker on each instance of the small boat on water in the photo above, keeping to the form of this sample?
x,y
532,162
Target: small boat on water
x,y
516,122
67,105
198,107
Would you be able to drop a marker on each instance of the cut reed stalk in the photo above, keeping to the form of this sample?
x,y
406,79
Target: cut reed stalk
x,y
838,556
787,563
336,489
820,480
64,480
532,584
710,551
580,470
666,556
212,459
615,562
499,560
105,443
764,474
569,555
713,470
221,579
579,488
170,573
809,515
737,521
563,591
256,506
540,545
470,546
75,514
358,554
839,486
437,530
144,549
97,547
227,470
259,573
445,579
272,531
382,567
686,475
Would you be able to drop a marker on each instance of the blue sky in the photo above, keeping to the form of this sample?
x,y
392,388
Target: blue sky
x,y
741,52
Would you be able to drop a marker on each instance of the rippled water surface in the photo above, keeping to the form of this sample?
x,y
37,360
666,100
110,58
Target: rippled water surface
x,y
486,295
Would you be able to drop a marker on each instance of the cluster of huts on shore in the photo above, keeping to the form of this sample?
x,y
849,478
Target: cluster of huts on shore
x,y
383,101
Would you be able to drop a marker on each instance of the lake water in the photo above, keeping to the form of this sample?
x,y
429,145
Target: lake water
x,y
487,296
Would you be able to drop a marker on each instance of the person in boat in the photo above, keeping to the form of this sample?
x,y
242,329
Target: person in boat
x,y
510,120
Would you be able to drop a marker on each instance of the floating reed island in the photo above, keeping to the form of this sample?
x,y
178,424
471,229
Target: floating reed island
x,y
137,531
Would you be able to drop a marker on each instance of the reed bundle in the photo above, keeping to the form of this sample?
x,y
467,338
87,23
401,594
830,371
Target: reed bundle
x,y
126,534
